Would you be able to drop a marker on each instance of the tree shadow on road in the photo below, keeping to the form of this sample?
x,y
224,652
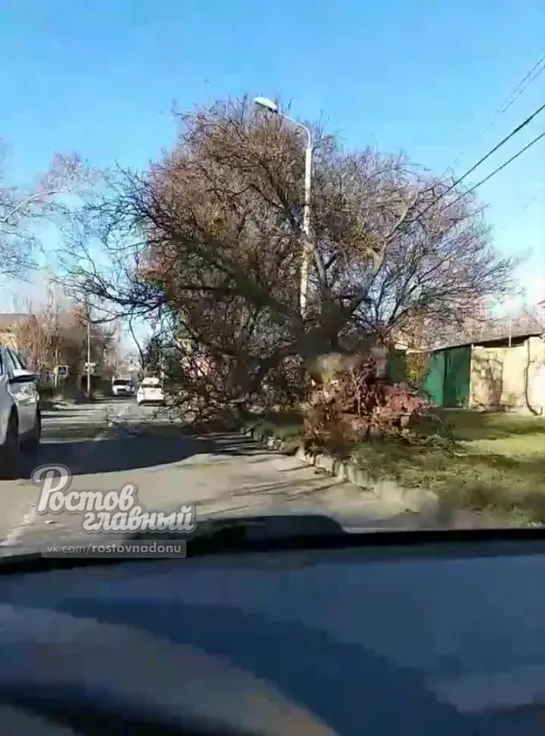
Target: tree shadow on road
x,y
79,449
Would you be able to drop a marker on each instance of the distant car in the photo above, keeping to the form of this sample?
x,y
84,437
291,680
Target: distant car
x,y
20,418
122,387
150,391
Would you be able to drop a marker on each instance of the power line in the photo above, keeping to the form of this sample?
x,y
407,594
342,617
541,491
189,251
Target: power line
x,y
500,144
530,203
527,206
524,83
532,75
496,171
483,159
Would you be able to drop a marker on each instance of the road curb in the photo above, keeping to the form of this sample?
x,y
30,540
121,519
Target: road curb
x,y
440,511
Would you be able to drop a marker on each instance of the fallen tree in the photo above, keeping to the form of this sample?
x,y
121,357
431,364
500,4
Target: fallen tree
x,y
210,237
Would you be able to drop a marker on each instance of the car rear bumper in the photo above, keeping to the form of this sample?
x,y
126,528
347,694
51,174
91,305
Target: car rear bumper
x,y
151,398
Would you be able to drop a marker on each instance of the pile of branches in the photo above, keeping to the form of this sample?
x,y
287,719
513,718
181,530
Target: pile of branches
x,y
287,386
357,403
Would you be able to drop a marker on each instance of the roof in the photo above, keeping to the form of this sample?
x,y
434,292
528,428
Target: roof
x,y
523,326
9,320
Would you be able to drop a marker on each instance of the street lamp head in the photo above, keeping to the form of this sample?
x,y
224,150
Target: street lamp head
x,y
266,103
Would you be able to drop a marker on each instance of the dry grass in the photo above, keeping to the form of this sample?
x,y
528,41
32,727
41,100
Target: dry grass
x,y
481,460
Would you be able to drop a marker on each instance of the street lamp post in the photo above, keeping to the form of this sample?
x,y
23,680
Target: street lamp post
x,y
88,357
273,108
87,308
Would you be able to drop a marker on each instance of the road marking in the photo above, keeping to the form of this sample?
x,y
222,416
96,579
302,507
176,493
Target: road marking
x,y
14,534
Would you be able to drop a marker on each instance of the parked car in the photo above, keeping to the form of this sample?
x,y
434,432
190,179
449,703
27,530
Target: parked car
x,y
122,387
150,391
20,418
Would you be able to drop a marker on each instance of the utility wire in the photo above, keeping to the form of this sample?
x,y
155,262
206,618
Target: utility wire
x,y
532,75
496,171
484,158
530,203
526,207
524,83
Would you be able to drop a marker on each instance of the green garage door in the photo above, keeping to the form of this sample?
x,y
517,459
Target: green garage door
x,y
457,376
434,382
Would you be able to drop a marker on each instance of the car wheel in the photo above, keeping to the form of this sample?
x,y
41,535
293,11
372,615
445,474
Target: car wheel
x,y
31,445
10,451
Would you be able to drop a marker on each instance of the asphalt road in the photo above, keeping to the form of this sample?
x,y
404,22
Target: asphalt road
x,y
107,445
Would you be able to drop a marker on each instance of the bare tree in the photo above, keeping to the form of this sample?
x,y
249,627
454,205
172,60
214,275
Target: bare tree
x,y
210,238
140,349
25,210
53,336
35,335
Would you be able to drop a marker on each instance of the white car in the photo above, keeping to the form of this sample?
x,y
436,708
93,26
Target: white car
x,y
150,391
122,387
20,418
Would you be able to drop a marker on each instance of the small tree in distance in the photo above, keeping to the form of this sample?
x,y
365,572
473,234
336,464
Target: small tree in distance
x,y
35,336
54,336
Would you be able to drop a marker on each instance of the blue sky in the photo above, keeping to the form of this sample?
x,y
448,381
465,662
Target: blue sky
x,y
100,78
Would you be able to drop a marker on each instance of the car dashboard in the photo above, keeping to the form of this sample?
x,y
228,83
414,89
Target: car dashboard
x,y
389,640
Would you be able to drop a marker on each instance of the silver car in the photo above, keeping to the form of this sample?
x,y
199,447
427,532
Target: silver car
x,y
20,418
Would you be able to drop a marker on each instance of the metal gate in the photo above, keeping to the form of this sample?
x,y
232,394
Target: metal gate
x,y
457,376
447,382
